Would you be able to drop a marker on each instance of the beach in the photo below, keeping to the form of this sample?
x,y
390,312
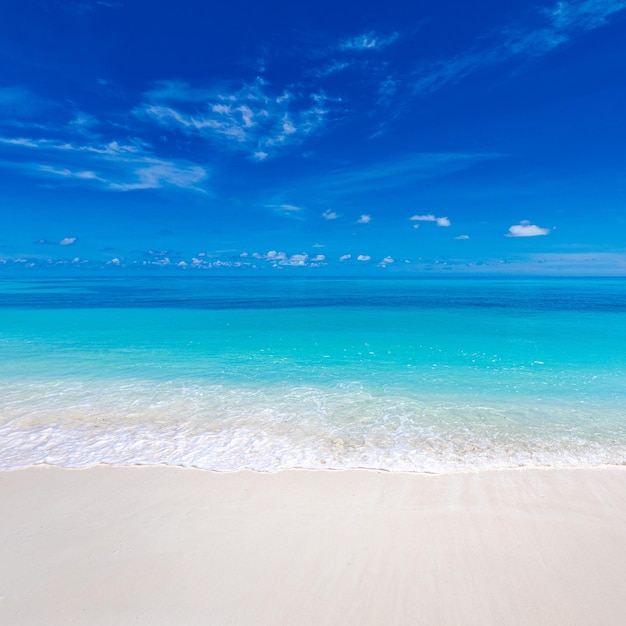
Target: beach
x,y
312,451
166,545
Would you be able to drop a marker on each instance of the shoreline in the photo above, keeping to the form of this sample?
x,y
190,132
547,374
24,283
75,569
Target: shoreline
x,y
321,470
168,545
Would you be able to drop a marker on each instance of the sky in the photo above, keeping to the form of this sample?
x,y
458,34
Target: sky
x,y
313,137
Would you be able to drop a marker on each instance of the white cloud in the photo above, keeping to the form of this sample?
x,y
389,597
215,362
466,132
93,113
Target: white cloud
x,y
253,119
297,259
526,229
164,173
331,68
462,237
364,219
423,218
67,241
561,22
277,258
273,255
345,257
68,173
441,221
112,165
386,261
330,215
368,41
583,15
20,141
363,257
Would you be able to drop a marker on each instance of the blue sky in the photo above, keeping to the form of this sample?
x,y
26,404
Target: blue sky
x,y
329,137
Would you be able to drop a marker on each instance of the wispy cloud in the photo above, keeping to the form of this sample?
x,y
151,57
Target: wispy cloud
x,y
253,119
558,24
364,219
584,15
330,215
67,241
368,41
526,229
289,210
114,166
161,173
395,173
331,68
462,237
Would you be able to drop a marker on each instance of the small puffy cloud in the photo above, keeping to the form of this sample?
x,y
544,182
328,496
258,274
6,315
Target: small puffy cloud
x,y
282,258
526,229
273,255
67,241
363,257
462,237
330,215
297,259
386,261
441,221
364,219
345,257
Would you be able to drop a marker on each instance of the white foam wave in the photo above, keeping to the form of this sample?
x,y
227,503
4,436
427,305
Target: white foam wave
x,y
81,423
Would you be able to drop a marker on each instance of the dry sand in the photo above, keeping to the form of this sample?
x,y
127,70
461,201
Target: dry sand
x,y
158,545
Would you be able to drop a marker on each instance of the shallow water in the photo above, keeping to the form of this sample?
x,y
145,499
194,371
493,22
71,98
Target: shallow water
x,y
270,373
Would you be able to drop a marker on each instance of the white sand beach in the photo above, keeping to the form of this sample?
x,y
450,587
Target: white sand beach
x,y
164,545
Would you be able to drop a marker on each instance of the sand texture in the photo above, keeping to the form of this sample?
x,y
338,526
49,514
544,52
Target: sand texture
x,y
158,545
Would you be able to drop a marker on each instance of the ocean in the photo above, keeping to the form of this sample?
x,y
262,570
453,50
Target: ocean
x,y
267,373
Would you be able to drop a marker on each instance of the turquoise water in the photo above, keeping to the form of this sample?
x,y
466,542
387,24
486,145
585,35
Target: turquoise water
x,y
270,373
